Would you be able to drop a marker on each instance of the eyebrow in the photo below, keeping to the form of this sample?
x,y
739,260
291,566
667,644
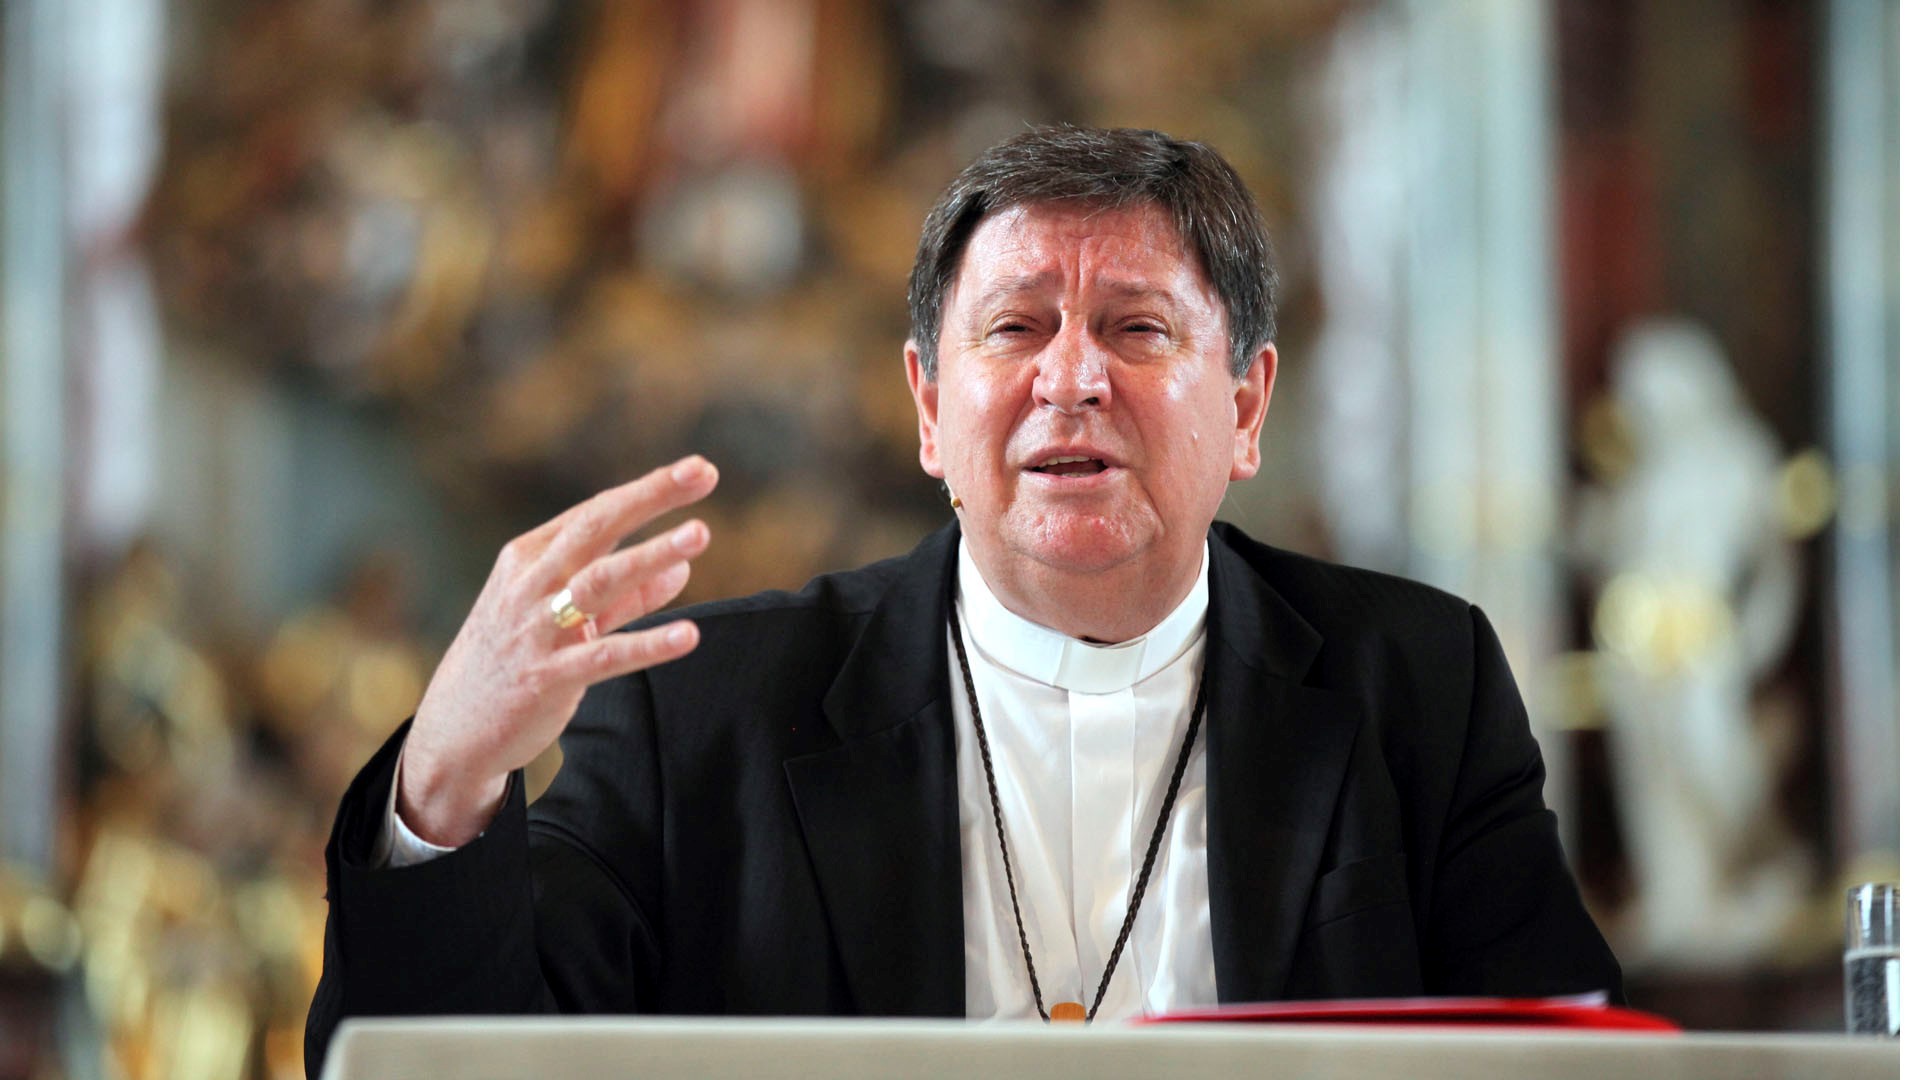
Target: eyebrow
x,y
1014,284
1134,290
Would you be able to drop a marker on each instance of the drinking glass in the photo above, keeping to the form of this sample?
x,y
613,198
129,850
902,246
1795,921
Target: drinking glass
x,y
1873,960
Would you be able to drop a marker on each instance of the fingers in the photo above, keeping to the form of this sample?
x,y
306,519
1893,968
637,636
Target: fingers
x,y
593,528
649,595
621,654
605,582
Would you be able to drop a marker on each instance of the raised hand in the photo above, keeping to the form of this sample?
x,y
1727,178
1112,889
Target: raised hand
x,y
521,662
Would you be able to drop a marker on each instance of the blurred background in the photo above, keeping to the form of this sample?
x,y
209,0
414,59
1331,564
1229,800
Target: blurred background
x,y
307,306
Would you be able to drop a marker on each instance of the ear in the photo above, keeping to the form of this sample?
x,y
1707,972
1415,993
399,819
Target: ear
x,y
1250,401
926,401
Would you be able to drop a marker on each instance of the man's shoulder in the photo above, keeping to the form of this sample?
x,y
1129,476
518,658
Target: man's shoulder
x,y
779,652
1338,599
832,603
1408,648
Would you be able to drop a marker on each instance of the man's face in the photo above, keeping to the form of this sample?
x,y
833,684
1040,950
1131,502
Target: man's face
x,y
1084,409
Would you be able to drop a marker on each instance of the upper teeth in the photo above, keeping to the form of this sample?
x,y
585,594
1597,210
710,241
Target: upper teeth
x,y
1063,460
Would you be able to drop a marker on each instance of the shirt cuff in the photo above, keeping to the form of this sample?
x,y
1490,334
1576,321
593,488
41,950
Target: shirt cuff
x,y
398,845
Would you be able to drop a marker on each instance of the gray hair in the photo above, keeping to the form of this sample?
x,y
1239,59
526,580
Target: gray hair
x,y
1107,168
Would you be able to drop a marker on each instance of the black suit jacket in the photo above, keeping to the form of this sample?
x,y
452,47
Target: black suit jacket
x,y
770,826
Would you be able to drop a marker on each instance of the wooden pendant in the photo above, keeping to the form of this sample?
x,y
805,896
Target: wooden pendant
x,y
1068,1010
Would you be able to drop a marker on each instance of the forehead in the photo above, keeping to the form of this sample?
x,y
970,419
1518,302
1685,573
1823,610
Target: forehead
x,y
1069,245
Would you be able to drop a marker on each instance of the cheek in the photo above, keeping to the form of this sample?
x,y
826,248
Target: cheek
x,y
1196,428
1188,390
974,434
1194,415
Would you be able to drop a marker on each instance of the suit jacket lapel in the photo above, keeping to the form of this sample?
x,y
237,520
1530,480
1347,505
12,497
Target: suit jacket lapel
x,y
880,812
1276,757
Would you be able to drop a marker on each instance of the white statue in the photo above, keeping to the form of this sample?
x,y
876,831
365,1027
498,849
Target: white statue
x,y
1701,588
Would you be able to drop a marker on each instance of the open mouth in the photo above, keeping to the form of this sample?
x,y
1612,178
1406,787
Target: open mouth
x,y
1074,465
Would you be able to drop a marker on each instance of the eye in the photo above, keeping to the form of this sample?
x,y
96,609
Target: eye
x,y
1009,328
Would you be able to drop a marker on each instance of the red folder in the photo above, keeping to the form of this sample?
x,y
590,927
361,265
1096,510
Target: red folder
x,y
1590,1012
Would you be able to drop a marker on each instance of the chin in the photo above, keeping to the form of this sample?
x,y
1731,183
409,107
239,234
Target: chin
x,y
1080,544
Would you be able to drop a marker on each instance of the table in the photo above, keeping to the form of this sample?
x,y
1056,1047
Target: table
x,y
618,1047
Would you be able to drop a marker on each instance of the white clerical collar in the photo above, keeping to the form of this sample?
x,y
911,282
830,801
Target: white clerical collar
x,y
1049,656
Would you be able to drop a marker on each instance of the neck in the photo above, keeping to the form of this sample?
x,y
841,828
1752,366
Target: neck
x,y
1114,604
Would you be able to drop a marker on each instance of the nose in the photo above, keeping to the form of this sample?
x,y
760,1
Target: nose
x,y
1072,373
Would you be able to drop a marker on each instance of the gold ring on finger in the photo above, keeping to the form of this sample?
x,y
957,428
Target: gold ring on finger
x,y
565,615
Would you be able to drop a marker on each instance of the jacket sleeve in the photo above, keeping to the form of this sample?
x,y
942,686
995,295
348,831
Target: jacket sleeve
x,y
525,919
1508,918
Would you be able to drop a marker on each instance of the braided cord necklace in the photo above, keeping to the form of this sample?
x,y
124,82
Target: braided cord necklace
x,y
1068,1010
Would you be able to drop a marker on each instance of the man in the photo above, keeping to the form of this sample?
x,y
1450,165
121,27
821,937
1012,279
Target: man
x,y
1082,751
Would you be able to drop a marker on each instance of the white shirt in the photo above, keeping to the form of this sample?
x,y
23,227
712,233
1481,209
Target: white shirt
x,y
1084,739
